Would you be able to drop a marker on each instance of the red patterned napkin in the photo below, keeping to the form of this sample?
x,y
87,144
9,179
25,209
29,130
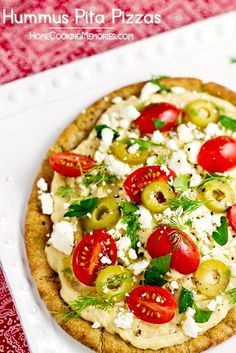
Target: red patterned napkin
x,y
12,338
20,56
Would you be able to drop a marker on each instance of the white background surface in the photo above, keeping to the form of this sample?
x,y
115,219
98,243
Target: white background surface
x,y
33,111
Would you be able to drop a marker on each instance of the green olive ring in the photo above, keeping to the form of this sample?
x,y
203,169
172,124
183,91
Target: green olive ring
x,y
217,195
156,196
120,150
105,215
201,112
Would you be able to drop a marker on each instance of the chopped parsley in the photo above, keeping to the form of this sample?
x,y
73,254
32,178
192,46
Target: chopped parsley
x,y
201,316
159,266
181,183
81,209
228,123
131,218
188,205
143,144
185,300
156,80
65,191
99,129
220,235
158,123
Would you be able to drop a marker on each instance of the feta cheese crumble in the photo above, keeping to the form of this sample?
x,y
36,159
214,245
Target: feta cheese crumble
x,y
124,320
96,324
190,327
62,237
148,89
46,202
139,267
42,185
129,112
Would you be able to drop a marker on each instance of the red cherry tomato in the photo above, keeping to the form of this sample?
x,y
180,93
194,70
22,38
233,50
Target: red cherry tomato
x,y
88,255
218,154
70,164
231,215
152,304
136,181
168,240
164,112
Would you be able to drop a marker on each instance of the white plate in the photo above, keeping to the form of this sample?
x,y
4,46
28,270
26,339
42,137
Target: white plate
x,y
34,110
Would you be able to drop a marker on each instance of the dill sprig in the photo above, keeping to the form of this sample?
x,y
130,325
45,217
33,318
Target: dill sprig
x,y
188,205
83,302
211,177
176,222
133,225
97,176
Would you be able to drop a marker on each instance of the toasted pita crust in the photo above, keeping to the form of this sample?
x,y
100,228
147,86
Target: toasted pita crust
x,y
38,225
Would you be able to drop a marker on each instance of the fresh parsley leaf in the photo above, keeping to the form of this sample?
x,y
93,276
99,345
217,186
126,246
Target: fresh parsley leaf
x,y
210,177
153,277
65,191
161,263
233,60
99,129
188,205
201,316
156,80
133,226
158,123
228,123
181,183
220,235
185,300
128,207
232,293
81,209
143,144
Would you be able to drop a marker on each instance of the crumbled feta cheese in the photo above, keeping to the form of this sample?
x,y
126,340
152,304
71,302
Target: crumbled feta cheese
x,y
202,221
133,148
124,320
190,327
99,157
129,112
46,202
62,237
42,185
96,324
195,180
213,129
105,260
184,133
192,149
117,100
178,90
123,243
139,267
151,160
214,303
172,145
107,138
173,285
179,164
165,169
132,254
157,137
117,167
148,89
145,217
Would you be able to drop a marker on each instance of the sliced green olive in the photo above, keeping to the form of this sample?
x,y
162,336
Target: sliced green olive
x,y
217,195
114,281
121,151
105,215
157,195
201,112
212,277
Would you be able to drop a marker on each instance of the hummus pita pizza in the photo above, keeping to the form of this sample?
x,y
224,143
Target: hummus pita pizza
x,y
131,225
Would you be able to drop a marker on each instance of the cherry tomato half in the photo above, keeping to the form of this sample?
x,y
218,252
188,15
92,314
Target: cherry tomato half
x,y
218,154
93,253
231,215
136,181
168,240
70,164
164,112
152,304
